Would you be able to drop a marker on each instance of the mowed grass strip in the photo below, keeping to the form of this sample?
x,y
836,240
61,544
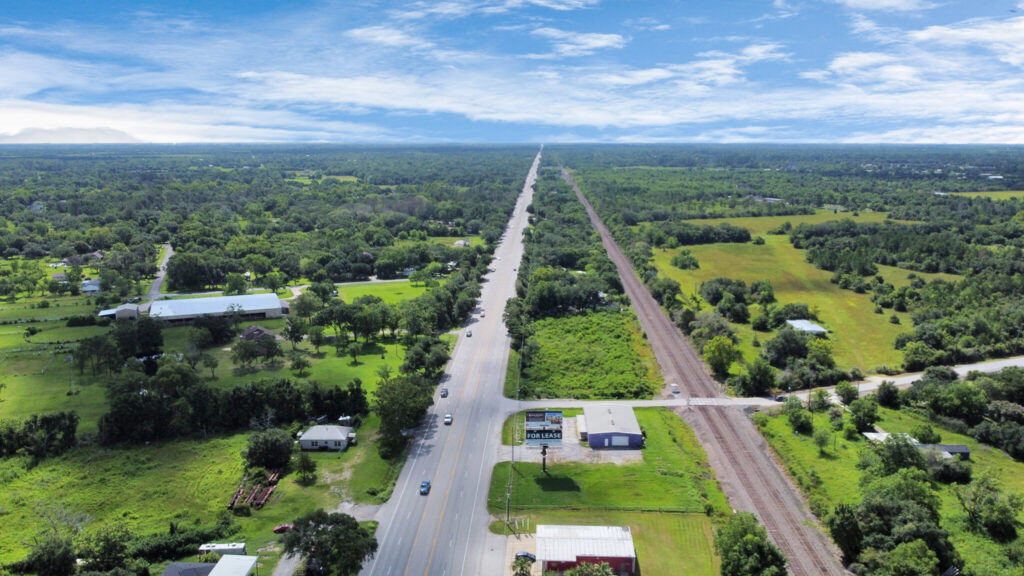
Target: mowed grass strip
x,y
593,355
838,479
673,476
667,544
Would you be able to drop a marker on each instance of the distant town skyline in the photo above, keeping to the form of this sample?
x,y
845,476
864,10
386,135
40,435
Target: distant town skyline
x,y
838,71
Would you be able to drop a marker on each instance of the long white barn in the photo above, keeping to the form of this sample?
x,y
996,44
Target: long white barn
x,y
249,306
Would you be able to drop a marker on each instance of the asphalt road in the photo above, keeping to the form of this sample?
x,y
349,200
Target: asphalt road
x,y
445,532
161,271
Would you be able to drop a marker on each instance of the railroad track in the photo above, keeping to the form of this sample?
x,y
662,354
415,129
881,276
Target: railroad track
x,y
752,480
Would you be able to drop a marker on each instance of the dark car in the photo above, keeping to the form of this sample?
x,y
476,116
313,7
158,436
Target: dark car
x,y
444,392
425,487
526,555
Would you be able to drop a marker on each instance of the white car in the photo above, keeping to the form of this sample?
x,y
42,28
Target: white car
x,y
448,419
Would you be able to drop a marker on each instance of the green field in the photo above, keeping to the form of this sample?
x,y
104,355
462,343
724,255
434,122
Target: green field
x,y
995,195
673,476
391,292
474,241
840,479
760,225
181,481
860,337
593,355
667,544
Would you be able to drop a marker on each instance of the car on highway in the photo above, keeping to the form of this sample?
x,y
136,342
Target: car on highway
x,y
448,419
444,392
483,314
469,333
282,528
425,487
527,555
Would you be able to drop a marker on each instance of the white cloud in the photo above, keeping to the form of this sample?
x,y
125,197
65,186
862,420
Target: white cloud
x,y
633,77
567,43
887,5
1004,38
387,36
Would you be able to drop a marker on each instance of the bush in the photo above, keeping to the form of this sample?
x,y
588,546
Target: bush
x,y
847,392
888,395
925,434
269,449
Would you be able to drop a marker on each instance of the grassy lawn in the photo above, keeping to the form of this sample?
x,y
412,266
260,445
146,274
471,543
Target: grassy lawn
x,y
673,476
474,241
593,355
667,544
996,195
859,337
390,292
840,480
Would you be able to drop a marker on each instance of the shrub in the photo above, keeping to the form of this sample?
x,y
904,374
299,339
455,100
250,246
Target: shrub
x,y
847,392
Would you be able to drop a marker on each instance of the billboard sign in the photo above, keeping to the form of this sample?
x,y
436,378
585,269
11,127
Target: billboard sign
x,y
543,428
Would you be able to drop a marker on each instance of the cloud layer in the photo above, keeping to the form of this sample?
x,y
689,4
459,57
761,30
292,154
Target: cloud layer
x,y
499,70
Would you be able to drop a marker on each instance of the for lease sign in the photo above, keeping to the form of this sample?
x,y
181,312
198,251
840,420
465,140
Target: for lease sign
x,y
543,428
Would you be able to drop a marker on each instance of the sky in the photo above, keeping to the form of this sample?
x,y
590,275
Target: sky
x,y
417,71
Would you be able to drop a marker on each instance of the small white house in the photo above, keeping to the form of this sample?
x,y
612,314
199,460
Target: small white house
x,y
325,437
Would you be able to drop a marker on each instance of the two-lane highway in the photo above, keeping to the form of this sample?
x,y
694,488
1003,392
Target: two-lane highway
x,y
444,533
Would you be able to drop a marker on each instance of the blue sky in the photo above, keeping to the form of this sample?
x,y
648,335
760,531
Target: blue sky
x,y
933,71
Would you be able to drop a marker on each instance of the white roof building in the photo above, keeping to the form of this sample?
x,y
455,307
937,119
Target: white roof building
x,y
234,566
325,437
806,326
558,544
249,306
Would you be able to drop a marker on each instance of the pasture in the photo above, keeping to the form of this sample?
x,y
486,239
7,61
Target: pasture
x,y
860,337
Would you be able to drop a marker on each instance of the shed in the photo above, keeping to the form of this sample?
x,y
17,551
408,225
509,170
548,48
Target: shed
x,y
188,569
561,547
254,333
234,566
250,306
122,312
325,437
807,326
91,287
612,426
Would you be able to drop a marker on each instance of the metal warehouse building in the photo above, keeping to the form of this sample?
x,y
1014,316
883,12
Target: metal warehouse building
x,y
249,307
561,548
612,426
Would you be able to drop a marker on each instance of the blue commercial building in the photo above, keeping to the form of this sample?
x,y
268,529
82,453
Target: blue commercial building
x,y
612,426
